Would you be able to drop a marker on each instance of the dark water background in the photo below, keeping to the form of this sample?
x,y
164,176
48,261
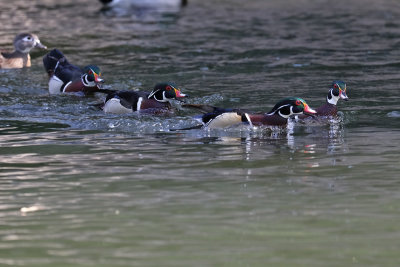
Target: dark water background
x,y
83,188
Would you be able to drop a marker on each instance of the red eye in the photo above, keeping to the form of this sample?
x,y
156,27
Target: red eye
x,y
298,102
168,88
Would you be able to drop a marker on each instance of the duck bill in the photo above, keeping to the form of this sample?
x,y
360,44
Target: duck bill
x,y
97,78
343,95
309,111
39,45
179,94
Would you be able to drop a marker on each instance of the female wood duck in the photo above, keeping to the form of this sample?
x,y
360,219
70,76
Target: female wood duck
x,y
278,116
158,100
67,78
337,91
19,58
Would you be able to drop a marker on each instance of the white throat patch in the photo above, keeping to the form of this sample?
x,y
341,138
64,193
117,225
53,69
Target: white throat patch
x,y
334,99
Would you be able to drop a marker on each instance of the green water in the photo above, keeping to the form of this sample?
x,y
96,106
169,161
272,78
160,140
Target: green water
x,y
83,188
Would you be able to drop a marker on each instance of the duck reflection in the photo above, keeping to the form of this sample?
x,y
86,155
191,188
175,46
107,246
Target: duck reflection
x,y
306,142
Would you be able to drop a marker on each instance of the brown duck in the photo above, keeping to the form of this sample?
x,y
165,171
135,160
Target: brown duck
x,y
19,58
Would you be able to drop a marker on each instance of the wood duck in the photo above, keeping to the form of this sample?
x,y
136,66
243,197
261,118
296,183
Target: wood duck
x,y
19,58
144,3
278,116
65,77
337,91
158,100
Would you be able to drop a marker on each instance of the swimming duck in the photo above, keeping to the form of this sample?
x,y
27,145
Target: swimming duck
x,y
337,91
158,100
278,116
19,58
65,77
144,3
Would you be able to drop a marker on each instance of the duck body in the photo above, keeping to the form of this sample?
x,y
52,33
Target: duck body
x,y
278,116
142,9
20,58
65,77
144,3
329,108
157,101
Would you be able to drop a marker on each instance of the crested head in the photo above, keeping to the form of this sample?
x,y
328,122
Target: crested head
x,y
291,106
91,76
337,91
25,42
163,92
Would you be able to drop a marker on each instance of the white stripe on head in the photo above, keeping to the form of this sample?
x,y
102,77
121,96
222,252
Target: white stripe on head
x,y
271,113
152,94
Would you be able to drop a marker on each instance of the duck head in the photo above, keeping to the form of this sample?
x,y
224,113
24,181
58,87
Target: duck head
x,y
91,76
25,42
163,92
337,91
291,106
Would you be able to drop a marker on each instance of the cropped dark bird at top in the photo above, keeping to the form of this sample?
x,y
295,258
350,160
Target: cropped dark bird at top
x,y
144,3
19,58
142,8
65,77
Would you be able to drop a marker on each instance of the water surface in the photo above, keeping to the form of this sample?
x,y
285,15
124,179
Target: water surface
x,y
83,188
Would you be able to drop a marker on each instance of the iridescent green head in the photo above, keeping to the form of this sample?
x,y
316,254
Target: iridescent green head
x,y
91,76
163,92
93,73
291,106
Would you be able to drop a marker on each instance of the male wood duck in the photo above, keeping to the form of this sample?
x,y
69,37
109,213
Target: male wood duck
x,y
19,58
278,116
337,91
156,101
65,77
